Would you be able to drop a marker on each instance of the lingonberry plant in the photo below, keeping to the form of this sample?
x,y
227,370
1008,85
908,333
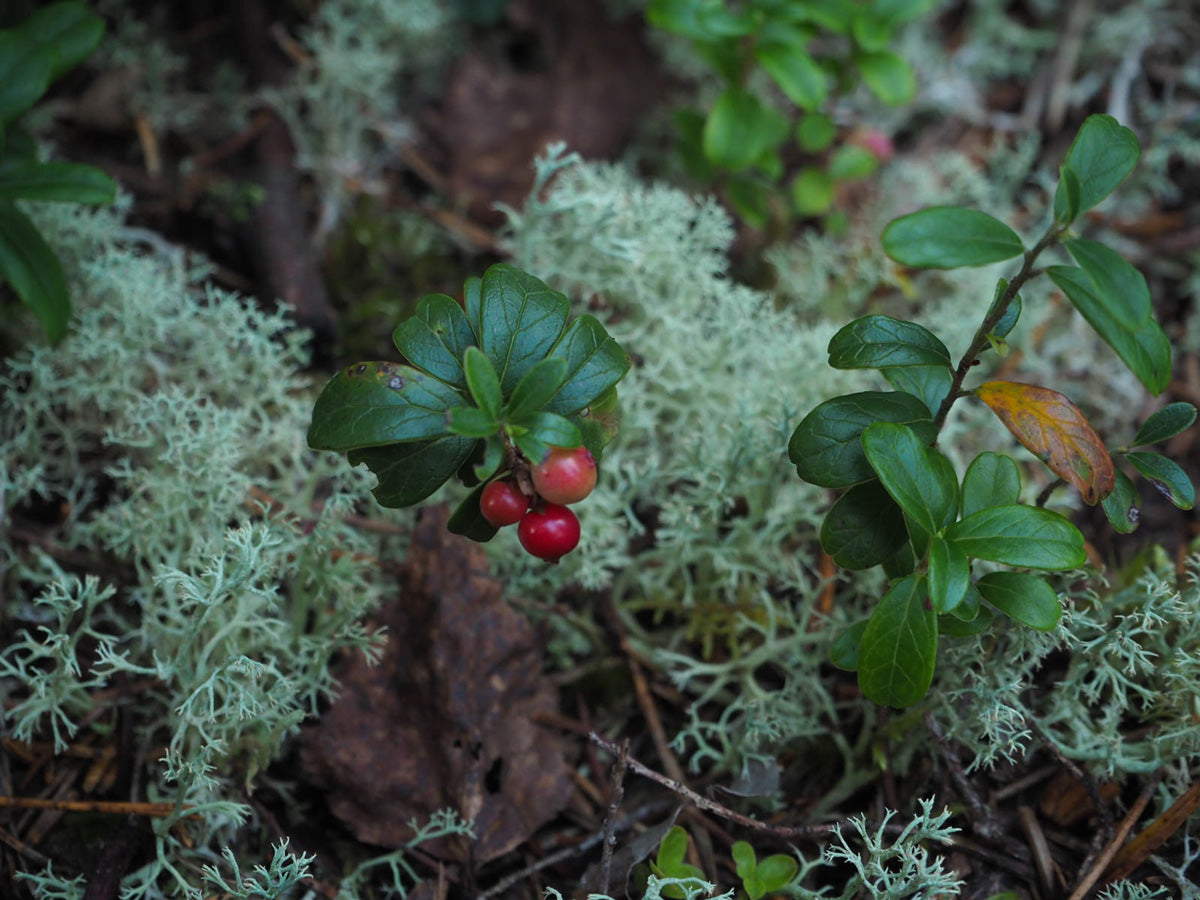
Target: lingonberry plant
x,y
502,392
904,507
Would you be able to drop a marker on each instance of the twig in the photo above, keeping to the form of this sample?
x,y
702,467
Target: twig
x,y
108,807
1089,784
610,820
1154,835
980,819
1037,843
1093,875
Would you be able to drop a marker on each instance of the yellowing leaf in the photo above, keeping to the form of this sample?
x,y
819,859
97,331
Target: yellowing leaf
x,y
1053,429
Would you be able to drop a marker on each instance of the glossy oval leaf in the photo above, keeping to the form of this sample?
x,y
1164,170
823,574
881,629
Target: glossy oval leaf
x,y
815,132
930,383
826,446
1019,535
468,521
1146,351
946,237
1172,419
408,473
595,363
471,421
739,128
1166,476
811,191
899,646
55,182
1012,313
970,606
25,71
887,76
435,338
795,72
775,872
520,319
376,403
1054,430
1120,286
1025,598
538,385
1066,197
864,528
919,478
879,342
992,479
33,271
844,651
953,626
70,30
949,575
552,429
1121,507
1103,153
483,382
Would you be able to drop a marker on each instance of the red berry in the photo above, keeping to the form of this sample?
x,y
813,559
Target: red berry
x,y
502,503
549,532
566,475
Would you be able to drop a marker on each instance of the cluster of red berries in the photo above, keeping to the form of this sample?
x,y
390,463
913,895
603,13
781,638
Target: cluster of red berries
x,y
547,529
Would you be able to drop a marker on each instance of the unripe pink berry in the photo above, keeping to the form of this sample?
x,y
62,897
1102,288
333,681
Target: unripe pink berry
x,y
566,475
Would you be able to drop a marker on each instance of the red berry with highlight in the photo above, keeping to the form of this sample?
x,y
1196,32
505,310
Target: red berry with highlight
x,y
549,531
566,475
502,503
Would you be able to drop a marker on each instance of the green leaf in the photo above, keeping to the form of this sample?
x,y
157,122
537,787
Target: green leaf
x,y
899,646
1102,154
673,848
483,382
918,477
468,521
1120,286
1020,536
811,191
408,473
739,128
1121,506
877,342
743,859
532,446
930,383
992,479
750,198
872,31
33,271
949,575
538,385
1025,598
955,627
1146,351
826,446
472,422
473,304
946,237
1066,197
844,652
376,403
1166,476
1172,419
552,429
520,319
815,132
864,528
797,75
493,455
435,339
25,70
69,30
852,163
55,181
835,15
887,76
595,363
1008,321
971,605
775,872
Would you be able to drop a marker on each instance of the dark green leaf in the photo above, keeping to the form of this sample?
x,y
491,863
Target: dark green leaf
x,y
918,477
740,128
852,163
532,446
811,191
949,575
902,562
521,319
472,422
55,181
595,362
1120,286
955,627
408,473
971,605
992,479
1020,536
815,132
1025,598
436,338
871,31
1008,321
877,342
899,646
1066,197
33,271
845,648
750,198
945,237
493,455
836,15
70,30
1166,476
930,383
473,304
483,382
376,403
1121,506
1103,153
900,11
1146,351
887,76
468,521
864,528
801,79
25,70
826,446
553,429
1172,419
538,385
